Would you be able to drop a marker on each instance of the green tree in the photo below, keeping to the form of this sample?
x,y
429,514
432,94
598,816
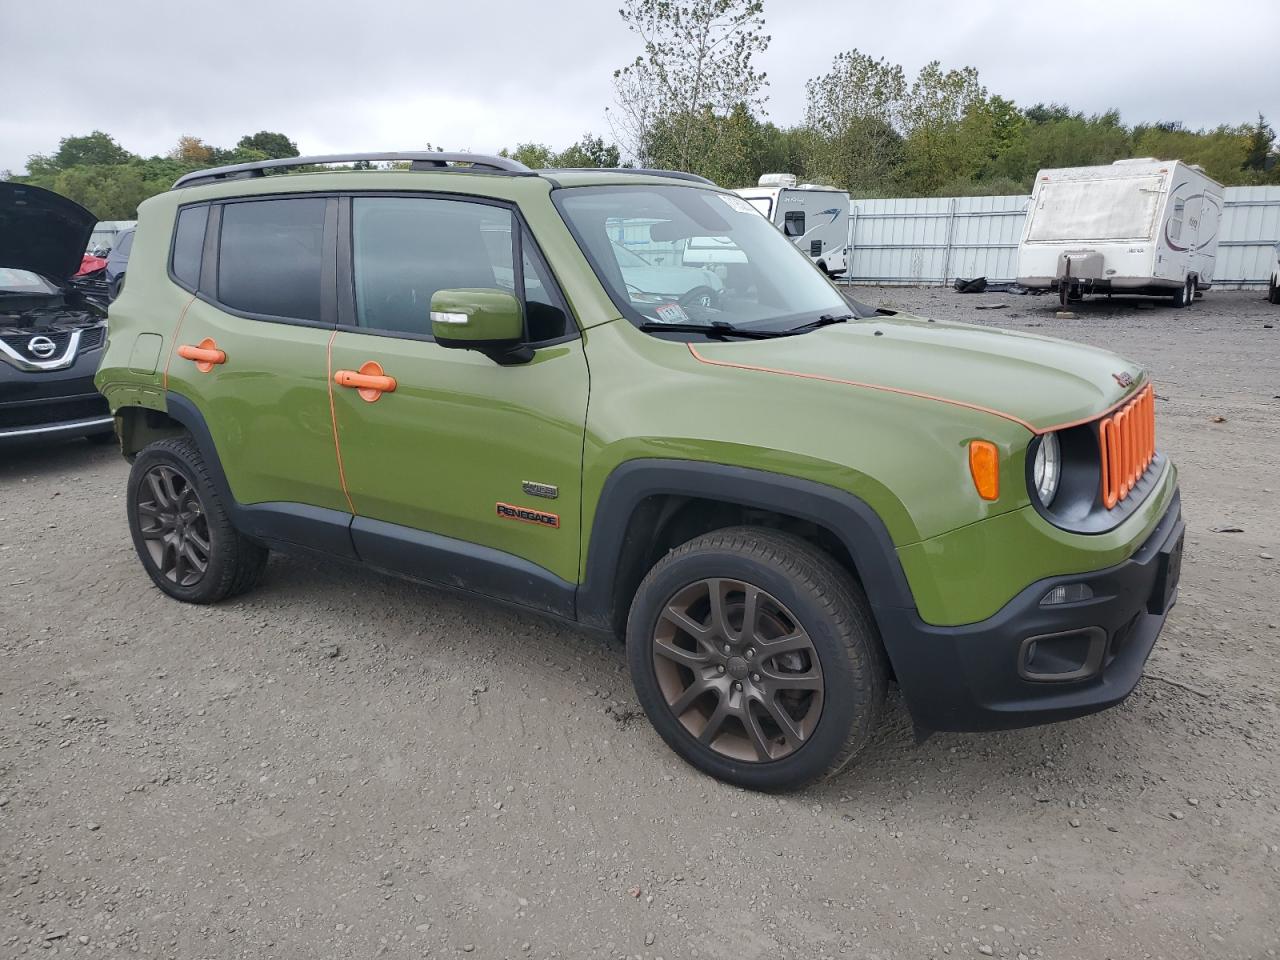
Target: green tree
x,y
535,156
947,125
852,116
271,145
95,149
590,151
675,100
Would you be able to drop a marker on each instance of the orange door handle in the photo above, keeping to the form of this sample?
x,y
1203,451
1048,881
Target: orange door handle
x,y
205,354
370,381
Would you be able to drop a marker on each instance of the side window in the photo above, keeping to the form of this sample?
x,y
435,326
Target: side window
x,y
793,223
188,244
406,248
126,245
1175,221
269,257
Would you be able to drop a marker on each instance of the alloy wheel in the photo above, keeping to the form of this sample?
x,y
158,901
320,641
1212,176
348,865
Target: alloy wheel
x,y
738,670
173,525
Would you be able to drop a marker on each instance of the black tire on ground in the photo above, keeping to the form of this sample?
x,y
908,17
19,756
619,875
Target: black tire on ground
x,y
824,601
1273,293
233,563
1184,295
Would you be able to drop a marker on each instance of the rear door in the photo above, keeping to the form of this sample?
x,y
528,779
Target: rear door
x,y
263,308
469,472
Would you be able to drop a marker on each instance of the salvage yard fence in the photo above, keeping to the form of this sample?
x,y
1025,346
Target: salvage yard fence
x,y
934,240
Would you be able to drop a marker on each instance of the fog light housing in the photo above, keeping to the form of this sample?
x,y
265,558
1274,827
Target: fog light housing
x,y
1067,593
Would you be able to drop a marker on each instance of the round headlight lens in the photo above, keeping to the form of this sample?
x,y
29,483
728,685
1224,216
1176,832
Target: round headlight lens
x,y
1047,470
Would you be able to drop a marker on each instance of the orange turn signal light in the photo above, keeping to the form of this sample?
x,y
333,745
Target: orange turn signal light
x,y
984,465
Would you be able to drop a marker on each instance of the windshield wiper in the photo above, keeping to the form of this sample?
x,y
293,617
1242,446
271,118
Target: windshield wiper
x,y
718,328
823,321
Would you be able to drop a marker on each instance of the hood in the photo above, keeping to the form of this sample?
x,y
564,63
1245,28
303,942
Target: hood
x,y
41,231
1036,381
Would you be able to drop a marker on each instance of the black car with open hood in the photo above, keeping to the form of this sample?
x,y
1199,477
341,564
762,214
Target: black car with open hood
x,y
51,334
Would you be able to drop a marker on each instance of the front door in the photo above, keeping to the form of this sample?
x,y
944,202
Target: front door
x,y
468,472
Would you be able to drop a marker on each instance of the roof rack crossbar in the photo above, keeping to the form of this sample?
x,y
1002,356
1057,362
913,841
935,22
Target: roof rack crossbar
x,y
639,171
419,160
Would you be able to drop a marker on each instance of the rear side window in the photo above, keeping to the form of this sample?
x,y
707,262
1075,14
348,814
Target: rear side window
x,y
269,257
188,245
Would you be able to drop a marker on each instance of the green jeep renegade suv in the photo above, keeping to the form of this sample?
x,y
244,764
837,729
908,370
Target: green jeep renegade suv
x,y
624,399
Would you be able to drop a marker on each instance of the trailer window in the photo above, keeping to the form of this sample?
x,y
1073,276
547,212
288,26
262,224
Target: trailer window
x,y
793,223
763,204
1117,209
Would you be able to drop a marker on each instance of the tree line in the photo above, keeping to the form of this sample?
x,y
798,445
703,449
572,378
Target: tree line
x,y
694,99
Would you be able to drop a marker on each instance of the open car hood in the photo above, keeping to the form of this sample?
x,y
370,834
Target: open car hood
x,y
42,232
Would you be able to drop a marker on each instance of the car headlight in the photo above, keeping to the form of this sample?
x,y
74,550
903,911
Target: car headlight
x,y
1047,469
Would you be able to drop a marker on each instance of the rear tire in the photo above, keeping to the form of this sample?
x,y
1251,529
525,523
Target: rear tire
x,y
1183,297
784,719
181,530
1273,293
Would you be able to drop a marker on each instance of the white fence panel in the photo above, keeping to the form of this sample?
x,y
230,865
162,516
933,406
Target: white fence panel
x,y
933,240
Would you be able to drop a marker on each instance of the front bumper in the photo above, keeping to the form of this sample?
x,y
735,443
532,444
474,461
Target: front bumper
x,y
1031,664
46,404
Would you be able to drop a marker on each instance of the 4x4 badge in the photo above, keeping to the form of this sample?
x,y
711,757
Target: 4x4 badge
x,y
548,491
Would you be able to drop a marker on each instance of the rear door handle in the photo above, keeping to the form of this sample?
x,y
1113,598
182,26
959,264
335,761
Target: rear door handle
x,y
205,354
369,381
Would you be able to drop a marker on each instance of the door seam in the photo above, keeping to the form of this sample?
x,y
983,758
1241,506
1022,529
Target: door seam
x,y
333,420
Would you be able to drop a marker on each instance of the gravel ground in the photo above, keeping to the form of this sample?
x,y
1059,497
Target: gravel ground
x,y
343,766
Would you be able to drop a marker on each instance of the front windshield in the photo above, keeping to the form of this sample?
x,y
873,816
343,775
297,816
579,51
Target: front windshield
x,y
686,255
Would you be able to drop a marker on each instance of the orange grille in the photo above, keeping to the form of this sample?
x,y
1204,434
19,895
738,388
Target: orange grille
x,y
1127,439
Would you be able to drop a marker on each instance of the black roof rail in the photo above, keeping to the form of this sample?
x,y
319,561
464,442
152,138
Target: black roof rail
x,y
419,160
641,171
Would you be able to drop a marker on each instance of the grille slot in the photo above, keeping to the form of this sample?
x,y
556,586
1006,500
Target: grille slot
x,y
1127,444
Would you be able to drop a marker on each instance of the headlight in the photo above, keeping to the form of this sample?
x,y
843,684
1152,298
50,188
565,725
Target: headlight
x,y
1047,470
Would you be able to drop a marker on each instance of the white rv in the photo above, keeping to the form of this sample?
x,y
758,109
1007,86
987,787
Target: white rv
x,y
816,218
1136,226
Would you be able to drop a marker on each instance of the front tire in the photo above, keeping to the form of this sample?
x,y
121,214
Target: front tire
x,y
181,529
756,659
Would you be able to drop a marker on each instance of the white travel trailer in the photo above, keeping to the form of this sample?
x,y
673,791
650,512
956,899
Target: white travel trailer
x,y
1143,226
816,218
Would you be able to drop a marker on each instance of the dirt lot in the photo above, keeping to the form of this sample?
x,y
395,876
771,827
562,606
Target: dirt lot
x,y
343,766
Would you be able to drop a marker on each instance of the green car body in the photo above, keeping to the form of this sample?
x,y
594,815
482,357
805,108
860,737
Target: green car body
x,y
856,434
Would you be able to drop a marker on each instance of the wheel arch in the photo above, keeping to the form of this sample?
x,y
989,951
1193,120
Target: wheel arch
x,y
138,427
647,507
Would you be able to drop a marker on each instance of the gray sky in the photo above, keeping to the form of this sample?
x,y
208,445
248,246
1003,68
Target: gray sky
x,y
394,74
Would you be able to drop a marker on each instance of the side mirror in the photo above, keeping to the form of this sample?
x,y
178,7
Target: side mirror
x,y
488,321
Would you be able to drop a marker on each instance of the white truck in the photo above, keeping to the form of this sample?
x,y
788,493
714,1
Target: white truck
x,y
816,218
1144,226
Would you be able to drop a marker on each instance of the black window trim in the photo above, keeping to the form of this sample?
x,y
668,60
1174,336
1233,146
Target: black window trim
x,y
208,291
346,265
789,217
173,245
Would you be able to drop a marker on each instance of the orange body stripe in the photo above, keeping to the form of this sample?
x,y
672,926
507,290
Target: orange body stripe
x,y
177,331
909,393
866,386
333,419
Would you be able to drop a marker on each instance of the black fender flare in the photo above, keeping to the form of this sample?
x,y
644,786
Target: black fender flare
x,y
847,517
